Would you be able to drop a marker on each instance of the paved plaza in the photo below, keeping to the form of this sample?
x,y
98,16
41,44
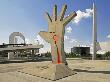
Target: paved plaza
x,y
86,71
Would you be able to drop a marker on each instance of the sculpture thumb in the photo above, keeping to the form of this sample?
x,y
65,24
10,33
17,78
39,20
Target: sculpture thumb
x,y
44,35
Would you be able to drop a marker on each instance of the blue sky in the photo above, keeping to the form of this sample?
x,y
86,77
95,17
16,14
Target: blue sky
x,y
27,17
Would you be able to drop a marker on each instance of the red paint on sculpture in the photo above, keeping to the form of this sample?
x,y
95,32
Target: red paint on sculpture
x,y
55,37
59,61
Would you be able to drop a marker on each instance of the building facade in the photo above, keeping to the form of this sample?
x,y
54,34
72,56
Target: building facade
x,y
83,51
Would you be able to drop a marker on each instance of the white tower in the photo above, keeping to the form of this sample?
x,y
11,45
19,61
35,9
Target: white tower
x,y
94,33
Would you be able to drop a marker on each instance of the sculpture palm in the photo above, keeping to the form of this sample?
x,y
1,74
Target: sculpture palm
x,y
55,34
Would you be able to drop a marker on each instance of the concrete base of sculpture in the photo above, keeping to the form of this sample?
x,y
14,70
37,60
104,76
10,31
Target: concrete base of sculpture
x,y
50,72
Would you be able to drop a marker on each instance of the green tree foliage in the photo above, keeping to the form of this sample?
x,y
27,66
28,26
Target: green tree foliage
x,y
107,55
48,54
71,55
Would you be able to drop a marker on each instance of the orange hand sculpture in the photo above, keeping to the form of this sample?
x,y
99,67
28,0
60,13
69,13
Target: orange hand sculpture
x,y
55,34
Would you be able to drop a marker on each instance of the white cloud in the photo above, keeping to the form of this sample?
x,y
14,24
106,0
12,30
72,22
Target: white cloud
x,y
46,47
28,41
108,36
81,15
66,37
69,29
73,40
68,49
40,40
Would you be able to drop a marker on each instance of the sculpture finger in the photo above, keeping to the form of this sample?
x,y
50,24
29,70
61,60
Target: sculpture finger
x,y
54,14
62,13
44,35
48,17
69,18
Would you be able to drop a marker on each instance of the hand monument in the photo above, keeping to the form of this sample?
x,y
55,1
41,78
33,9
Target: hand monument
x,y
55,33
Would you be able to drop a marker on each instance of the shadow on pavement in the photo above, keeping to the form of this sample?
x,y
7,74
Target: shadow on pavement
x,y
103,72
22,61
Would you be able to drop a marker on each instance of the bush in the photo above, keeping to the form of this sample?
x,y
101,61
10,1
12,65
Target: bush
x,y
107,55
48,54
99,56
71,55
